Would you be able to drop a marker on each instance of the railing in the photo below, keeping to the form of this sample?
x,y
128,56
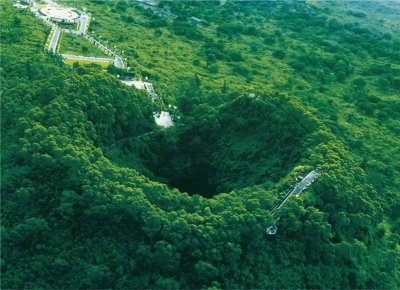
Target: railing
x,y
298,189
118,60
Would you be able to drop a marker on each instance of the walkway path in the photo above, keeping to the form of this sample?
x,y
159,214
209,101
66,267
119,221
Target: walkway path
x,y
54,40
84,23
118,62
84,20
302,185
88,58
299,188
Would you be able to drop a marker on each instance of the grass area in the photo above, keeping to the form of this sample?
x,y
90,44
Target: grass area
x,y
78,45
103,64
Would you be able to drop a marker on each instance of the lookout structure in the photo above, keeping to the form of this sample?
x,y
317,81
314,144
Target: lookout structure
x,y
297,190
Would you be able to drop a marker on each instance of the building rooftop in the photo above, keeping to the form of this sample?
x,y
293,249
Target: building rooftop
x,y
195,19
140,85
163,119
148,2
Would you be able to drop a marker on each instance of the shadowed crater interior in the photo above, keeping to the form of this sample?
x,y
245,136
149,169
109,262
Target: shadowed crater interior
x,y
249,141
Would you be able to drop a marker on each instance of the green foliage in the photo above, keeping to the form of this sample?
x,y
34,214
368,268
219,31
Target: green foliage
x,y
82,201
279,54
77,45
230,148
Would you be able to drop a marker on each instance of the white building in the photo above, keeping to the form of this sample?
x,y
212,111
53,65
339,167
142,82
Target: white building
x,y
195,20
22,4
60,14
148,2
163,119
140,85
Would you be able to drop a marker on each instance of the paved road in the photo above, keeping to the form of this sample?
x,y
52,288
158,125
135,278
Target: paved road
x,y
89,58
118,62
54,40
99,44
84,22
50,3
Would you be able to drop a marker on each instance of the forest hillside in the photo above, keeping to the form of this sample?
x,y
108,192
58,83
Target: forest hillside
x,y
96,195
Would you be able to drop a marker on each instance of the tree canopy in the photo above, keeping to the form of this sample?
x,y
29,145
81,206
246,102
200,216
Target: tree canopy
x,y
87,204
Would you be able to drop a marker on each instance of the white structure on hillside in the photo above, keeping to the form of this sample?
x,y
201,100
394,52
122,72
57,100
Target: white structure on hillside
x,y
60,14
21,5
148,2
195,20
163,119
297,190
140,85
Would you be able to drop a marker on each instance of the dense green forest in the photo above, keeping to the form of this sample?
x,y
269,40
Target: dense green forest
x,y
95,195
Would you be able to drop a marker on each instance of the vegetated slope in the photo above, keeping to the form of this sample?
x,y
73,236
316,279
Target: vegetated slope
x,y
78,45
73,219
341,64
251,140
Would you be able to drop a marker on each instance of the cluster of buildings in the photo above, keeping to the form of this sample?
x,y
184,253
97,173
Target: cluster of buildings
x,y
50,11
